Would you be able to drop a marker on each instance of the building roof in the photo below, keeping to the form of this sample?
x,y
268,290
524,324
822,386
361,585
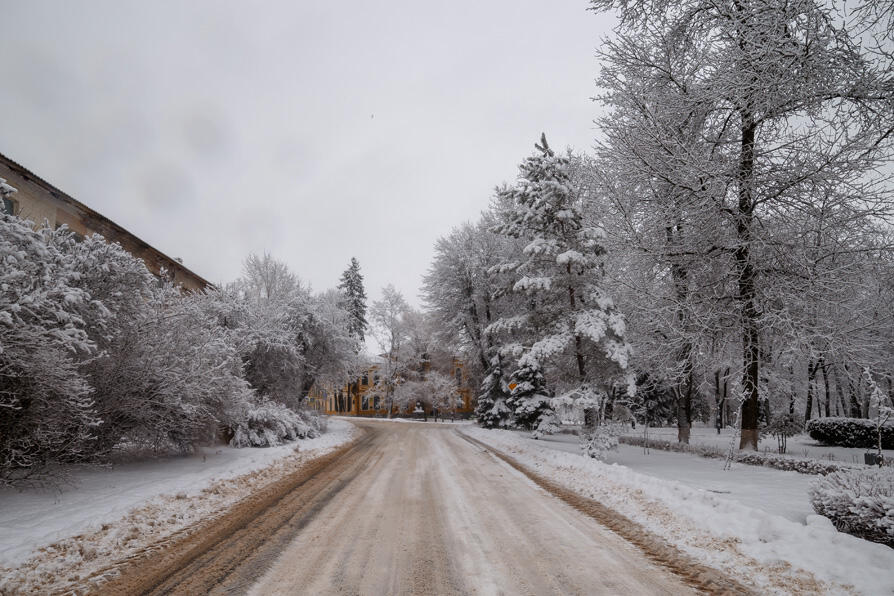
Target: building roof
x,y
172,264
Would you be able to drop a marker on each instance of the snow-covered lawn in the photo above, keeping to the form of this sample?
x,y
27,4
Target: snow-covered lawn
x,y
798,446
779,548
773,491
108,512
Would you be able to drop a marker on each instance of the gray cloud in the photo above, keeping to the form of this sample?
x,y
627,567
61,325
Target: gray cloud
x,y
313,130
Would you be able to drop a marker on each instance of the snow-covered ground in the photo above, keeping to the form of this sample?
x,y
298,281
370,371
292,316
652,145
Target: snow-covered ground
x,y
124,506
767,545
798,446
770,490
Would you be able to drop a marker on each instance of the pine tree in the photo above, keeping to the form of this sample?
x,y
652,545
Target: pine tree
x,y
559,272
355,299
530,400
492,410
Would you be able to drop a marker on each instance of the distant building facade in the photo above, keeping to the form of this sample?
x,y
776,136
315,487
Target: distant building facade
x,y
355,398
40,201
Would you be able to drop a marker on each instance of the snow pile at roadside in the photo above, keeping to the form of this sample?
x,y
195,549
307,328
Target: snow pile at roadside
x,y
774,554
111,514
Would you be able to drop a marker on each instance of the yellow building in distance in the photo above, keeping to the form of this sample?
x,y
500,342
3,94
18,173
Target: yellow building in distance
x,y
355,398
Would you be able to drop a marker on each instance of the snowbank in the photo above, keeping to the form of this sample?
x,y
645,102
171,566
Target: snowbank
x,y
110,512
774,554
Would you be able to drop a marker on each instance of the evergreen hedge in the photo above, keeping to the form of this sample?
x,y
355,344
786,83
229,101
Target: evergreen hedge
x,y
850,432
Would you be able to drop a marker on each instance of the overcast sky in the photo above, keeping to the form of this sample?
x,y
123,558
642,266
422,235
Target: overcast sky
x,y
315,131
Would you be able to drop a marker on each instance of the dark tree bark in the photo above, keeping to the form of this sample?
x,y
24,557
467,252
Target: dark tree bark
x,y
822,361
812,367
746,281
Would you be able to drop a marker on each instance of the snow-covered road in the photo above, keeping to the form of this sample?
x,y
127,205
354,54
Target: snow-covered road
x,y
435,514
411,509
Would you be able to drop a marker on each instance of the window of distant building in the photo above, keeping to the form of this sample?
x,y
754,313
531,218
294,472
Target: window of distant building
x,y
459,376
376,378
9,206
365,379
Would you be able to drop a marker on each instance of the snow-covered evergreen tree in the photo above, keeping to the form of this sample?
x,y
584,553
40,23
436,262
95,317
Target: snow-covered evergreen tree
x,y
351,286
569,314
491,410
530,400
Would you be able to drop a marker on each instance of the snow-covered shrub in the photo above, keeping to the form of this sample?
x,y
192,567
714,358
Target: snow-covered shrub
x,y
267,424
171,375
783,426
264,332
287,341
859,502
850,432
603,439
46,411
96,352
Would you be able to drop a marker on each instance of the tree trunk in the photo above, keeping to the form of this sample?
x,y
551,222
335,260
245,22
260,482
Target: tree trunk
x,y
475,330
811,388
590,413
726,403
680,277
746,281
853,392
718,401
839,390
684,416
822,365
684,402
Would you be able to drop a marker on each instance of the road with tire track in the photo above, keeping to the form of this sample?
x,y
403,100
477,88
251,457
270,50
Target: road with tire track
x,y
407,509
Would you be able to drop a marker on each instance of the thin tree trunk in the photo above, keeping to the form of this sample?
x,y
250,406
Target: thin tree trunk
x,y
683,392
811,376
826,385
590,413
726,395
839,390
718,401
746,281
853,394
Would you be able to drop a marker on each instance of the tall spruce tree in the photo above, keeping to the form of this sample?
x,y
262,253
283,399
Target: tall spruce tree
x,y
570,317
351,286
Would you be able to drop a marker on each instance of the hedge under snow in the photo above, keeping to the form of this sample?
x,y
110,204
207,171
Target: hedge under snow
x,y
850,432
859,502
268,424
